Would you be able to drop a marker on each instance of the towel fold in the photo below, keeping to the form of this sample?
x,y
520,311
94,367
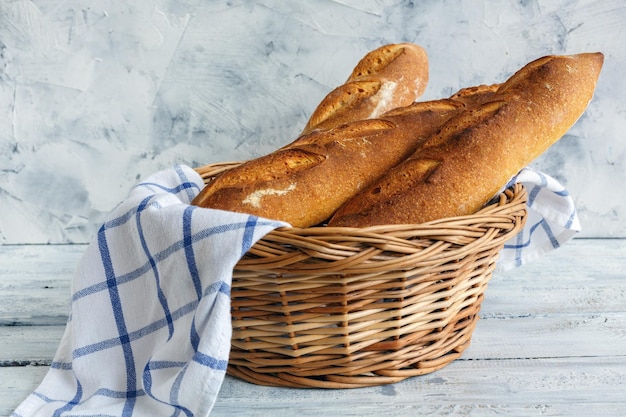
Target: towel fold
x,y
149,329
552,220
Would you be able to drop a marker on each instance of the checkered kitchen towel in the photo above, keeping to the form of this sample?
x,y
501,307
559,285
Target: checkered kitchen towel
x,y
551,221
149,330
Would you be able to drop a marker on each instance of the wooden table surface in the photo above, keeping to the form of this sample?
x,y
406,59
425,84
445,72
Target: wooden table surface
x,y
551,342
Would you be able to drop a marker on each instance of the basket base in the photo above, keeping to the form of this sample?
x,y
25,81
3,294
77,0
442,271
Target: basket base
x,y
370,367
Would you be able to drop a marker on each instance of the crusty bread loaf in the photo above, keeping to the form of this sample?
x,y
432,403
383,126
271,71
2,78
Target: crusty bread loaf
x,y
464,165
305,184
307,181
388,77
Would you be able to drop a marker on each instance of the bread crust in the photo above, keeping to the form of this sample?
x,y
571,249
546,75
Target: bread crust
x,y
391,76
305,184
343,147
461,167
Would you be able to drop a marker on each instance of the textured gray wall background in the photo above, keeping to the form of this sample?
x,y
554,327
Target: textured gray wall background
x,y
95,96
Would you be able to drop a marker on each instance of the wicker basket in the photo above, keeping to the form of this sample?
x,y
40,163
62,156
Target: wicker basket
x,y
342,307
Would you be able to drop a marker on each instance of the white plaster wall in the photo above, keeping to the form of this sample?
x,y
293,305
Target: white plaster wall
x,y
96,95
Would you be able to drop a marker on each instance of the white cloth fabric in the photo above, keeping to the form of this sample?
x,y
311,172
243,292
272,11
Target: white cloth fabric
x,y
551,221
149,330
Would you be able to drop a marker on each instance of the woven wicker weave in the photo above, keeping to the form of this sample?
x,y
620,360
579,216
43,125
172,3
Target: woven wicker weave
x,y
341,308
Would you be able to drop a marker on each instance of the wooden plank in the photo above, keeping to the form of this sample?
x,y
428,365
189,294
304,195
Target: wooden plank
x,y
16,383
556,387
554,336
35,283
523,342
575,386
29,345
584,276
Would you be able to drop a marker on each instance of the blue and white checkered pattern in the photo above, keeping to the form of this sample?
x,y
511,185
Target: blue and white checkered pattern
x,y
552,220
149,330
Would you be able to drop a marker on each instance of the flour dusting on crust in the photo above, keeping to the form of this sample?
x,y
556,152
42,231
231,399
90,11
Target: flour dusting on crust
x,y
254,199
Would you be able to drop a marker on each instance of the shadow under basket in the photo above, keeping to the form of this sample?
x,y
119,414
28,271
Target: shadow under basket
x,y
334,307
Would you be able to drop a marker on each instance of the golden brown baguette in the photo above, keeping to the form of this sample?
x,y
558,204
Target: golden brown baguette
x,y
477,152
388,77
305,183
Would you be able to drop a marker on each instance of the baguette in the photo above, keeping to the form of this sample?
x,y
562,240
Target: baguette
x,y
460,168
388,77
304,184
